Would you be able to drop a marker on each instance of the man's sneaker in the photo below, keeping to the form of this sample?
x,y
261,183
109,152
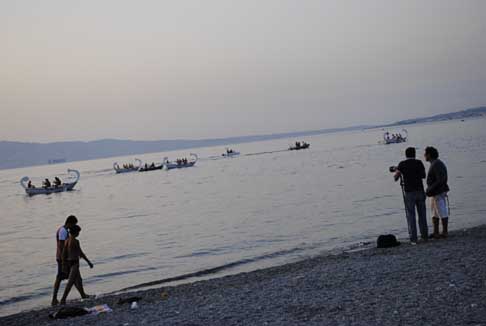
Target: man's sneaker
x,y
413,243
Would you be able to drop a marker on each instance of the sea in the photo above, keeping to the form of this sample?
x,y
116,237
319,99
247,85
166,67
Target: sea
x,y
267,207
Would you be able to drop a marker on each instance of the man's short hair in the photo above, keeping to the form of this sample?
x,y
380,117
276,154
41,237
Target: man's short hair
x,y
410,152
432,152
71,219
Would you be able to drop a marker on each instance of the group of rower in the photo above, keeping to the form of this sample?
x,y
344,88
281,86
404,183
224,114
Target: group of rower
x,y
394,137
151,166
299,144
182,161
126,166
47,184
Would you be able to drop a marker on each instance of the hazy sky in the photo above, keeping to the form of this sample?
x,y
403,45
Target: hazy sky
x,y
83,70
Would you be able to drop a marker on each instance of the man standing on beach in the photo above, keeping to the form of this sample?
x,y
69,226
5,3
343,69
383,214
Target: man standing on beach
x,y
437,189
413,173
61,237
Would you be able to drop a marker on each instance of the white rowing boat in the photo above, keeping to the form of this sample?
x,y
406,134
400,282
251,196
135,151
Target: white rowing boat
x,y
65,186
390,138
168,165
230,153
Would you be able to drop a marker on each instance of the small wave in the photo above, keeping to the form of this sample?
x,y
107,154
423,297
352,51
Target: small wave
x,y
96,172
17,299
106,275
108,260
128,256
25,297
8,233
267,152
130,216
214,270
365,200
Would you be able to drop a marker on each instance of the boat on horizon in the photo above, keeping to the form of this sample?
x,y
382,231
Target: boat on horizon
x,y
230,153
299,145
65,186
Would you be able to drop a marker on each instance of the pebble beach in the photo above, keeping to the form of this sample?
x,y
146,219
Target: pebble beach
x,y
441,282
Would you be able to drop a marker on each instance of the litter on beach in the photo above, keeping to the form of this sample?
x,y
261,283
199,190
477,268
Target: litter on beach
x,y
164,295
128,300
99,309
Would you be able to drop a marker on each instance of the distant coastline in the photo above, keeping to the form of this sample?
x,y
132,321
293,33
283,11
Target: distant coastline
x,y
23,154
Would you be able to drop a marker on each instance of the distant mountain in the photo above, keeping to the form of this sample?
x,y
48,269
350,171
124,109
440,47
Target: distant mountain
x,y
20,154
469,113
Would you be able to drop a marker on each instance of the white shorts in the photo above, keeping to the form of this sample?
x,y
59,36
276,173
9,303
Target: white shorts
x,y
439,206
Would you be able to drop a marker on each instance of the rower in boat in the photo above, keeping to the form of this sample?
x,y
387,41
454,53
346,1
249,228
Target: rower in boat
x,y
30,185
57,182
46,184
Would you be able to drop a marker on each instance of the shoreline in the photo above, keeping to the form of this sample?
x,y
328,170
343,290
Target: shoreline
x,y
228,269
442,282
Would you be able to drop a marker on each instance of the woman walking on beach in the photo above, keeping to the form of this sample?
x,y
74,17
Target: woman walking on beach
x,y
62,235
70,261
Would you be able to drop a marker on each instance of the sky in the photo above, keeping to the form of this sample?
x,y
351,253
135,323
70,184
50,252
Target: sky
x,y
146,70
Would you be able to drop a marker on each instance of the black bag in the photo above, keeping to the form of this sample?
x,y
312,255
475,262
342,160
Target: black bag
x,y
68,312
387,241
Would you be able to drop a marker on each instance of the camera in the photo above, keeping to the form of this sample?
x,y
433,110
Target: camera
x,y
393,169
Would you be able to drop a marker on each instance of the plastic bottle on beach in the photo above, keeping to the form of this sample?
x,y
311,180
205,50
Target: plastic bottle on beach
x,y
134,305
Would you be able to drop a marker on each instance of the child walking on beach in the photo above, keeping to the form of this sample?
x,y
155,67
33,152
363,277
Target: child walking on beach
x,y
70,262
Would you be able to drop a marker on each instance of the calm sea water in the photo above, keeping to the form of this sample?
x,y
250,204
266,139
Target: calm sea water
x,y
230,215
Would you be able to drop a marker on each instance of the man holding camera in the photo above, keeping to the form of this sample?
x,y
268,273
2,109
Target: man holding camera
x,y
437,189
411,172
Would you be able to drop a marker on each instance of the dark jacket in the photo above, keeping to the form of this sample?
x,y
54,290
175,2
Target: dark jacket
x,y
413,172
437,179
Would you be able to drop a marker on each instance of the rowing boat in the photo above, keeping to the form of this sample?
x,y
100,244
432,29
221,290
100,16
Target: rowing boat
x,y
65,186
134,168
302,146
389,139
168,165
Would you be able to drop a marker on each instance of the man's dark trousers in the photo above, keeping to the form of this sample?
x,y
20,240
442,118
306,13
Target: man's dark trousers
x,y
416,199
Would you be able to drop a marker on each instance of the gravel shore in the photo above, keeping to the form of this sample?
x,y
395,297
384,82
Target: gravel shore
x,y
442,282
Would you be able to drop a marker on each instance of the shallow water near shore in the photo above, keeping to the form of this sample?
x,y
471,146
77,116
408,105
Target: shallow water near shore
x,y
225,215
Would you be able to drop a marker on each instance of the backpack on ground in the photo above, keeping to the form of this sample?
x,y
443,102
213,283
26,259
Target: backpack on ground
x,y
387,241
